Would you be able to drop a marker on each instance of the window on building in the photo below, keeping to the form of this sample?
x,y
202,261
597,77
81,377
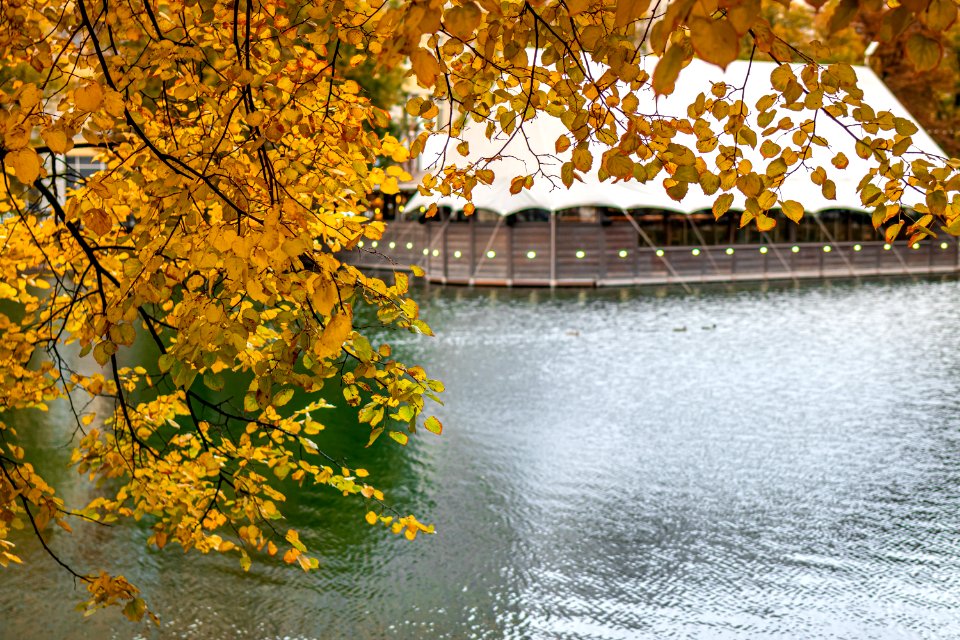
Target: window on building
x,y
579,215
72,172
530,215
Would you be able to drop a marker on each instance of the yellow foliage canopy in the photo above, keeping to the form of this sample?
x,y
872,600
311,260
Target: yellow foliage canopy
x,y
236,144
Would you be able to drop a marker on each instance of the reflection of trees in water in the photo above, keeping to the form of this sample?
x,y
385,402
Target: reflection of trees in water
x,y
335,528
40,587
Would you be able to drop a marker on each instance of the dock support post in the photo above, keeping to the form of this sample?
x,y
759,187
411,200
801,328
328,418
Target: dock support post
x,y
444,248
553,250
602,248
510,255
473,247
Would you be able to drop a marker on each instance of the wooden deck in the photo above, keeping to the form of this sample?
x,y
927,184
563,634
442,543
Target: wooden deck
x,y
554,255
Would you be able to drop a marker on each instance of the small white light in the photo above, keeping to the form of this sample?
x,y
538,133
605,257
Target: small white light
x,y
374,244
393,245
857,247
491,254
622,253
457,254
436,252
659,253
426,251
531,255
763,250
409,245
581,254
695,252
795,249
827,248
944,245
886,246
729,251
916,245
360,244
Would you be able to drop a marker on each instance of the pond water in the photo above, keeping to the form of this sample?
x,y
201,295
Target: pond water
x,y
615,464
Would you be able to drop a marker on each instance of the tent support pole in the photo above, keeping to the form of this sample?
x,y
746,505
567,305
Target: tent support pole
x,y
646,238
776,252
843,254
426,261
703,243
483,256
903,263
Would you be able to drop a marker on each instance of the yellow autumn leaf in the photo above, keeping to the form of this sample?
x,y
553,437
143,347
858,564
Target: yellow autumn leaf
x,y
88,97
425,66
324,296
621,166
765,223
582,159
924,52
628,12
792,209
940,15
722,205
715,41
892,232
829,190
709,183
390,186
462,20
668,69
334,335
98,221
113,103
256,118
433,425
843,12
25,164
30,96
767,199
56,140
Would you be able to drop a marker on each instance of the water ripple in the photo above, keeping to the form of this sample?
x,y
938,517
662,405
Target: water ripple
x,y
622,464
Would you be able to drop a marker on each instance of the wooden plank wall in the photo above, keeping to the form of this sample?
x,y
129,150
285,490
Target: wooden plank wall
x,y
614,254
531,253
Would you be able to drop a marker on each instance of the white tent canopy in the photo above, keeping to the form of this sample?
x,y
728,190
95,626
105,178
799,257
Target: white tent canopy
x,y
534,149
